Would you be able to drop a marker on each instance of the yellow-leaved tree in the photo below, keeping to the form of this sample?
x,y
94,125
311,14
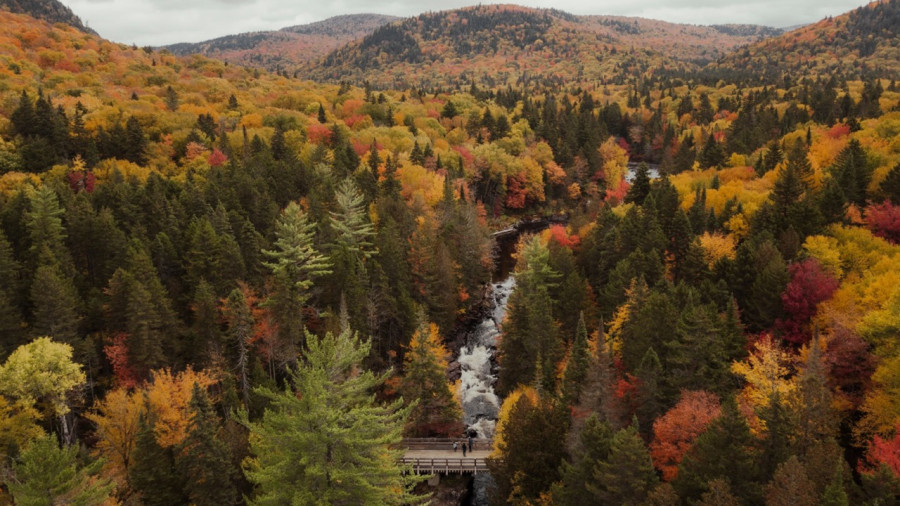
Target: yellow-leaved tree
x,y
117,417
766,372
42,374
169,396
117,421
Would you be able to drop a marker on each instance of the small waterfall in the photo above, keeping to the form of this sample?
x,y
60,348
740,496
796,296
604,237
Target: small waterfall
x,y
480,404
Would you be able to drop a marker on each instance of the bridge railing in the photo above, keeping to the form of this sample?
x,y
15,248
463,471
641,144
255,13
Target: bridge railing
x,y
445,466
445,443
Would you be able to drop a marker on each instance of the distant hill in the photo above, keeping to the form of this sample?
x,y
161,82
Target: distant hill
x,y
51,11
288,47
862,42
507,43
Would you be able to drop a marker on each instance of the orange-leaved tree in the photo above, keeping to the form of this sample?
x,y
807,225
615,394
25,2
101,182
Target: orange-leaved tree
x,y
674,432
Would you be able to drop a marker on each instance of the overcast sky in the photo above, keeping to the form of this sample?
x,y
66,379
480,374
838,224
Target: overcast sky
x,y
159,22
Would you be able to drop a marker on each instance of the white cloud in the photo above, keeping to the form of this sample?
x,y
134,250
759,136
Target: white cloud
x,y
159,22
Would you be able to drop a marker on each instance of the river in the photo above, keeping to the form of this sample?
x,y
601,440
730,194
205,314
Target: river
x,y
478,367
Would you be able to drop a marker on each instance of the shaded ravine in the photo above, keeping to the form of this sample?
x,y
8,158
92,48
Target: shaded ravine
x,y
478,367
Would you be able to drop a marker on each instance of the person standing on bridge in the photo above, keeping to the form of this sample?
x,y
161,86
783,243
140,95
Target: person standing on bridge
x,y
455,446
464,449
470,444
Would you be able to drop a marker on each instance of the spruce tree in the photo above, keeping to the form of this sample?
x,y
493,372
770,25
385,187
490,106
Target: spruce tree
x,y
424,386
712,154
171,98
817,424
239,321
627,476
640,186
577,472
684,156
835,494
205,328
577,366
55,301
135,146
853,171
152,472
696,358
329,441
530,330
526,460
725,451
890,185
204,460
278,143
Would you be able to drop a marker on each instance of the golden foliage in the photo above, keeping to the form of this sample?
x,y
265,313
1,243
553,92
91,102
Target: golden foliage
x,y
168,396
528,393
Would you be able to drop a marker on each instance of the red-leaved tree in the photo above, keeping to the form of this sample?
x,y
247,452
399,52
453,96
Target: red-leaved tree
x,y
884,220
884,451
117,354
674,432
216,158
810,284
559,234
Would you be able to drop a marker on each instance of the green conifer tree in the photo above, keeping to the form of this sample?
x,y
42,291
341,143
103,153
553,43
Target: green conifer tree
x,y
530,330
204,460
627,477
294,262
45,474
577,472
640,186
890,185
43,221
577,366
333,444
725,451
152,472
424,386
527,461
56,302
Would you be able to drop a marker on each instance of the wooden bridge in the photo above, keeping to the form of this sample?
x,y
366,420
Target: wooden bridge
x,y
436,456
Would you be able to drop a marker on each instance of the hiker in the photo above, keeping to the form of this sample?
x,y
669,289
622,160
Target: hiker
x,y
464,449
470,444
455,446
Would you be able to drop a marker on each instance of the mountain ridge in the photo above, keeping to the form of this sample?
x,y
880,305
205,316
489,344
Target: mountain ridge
x,y
288,46
51,11
516,42
860,42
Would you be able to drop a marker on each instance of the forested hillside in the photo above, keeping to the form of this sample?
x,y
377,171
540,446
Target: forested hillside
x,y
507,44
863,42
288,48
220,285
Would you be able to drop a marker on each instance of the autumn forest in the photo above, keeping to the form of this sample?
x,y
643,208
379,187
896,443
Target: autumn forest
x,y
245,277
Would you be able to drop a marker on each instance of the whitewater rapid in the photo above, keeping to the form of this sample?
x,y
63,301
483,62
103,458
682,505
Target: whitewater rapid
x,y
480,403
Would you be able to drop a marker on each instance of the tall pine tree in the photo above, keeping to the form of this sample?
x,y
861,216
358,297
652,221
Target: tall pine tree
x,y
329,441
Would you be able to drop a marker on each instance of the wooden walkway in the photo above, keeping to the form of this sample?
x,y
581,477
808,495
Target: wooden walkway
x,y
436,456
